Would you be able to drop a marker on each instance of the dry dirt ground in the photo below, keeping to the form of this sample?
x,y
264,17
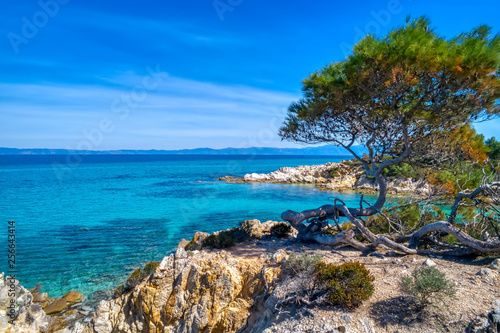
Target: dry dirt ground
x,y
388,308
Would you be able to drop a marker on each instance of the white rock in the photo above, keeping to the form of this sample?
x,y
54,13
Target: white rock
x,y
495,264
429,263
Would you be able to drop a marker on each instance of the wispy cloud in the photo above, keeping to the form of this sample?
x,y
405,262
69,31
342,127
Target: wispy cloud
x,y
179,111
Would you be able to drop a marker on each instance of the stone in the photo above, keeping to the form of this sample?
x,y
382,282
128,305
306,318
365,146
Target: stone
x,y
183,243
180,253
429,263
336,176
31,318
495,264
209,292
196,243
487,273
478,325
278,256
73,296
56,306
346,318
40,298
200,236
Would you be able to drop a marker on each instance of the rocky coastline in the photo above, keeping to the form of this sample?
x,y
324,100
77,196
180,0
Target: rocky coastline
x,y
203,289
336,176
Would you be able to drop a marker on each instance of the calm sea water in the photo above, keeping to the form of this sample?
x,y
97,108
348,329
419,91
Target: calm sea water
x,y
86,225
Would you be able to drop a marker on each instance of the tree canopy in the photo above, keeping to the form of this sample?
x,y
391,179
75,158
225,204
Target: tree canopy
x,y
400,95
411,94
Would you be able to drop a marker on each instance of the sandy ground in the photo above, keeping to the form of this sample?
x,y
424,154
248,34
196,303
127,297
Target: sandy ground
x,y
389,309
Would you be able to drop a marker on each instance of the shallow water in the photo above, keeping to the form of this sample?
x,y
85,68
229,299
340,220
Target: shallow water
x,y
87,226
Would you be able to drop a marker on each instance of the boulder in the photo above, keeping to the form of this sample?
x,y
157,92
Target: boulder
x,y
183,243
487,274
429,263
495,264
30,316
56,306
73,296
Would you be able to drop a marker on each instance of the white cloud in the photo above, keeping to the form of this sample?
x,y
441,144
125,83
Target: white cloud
x,y
179,111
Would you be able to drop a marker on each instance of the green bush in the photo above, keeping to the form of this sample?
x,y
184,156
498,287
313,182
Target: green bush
x,y
119,291
139,274
281,230
334,172
348,284
428,284
150,267
299,264
225,239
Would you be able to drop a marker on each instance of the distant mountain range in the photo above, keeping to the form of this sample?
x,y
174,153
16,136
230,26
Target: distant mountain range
x,y
322,150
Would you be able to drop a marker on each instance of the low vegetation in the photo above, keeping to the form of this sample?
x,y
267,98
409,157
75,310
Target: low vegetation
x,y
428,286
137,277
225,239
306,279
348,284
298,264
281,230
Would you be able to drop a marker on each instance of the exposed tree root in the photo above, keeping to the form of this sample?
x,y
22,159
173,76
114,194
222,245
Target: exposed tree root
x,y
312,232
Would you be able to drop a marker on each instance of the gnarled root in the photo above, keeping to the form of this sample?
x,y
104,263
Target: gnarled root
x,y
312,233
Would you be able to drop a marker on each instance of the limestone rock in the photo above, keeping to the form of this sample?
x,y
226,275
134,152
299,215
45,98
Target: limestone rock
x,y
209,292
487,274
200,236
337,176
478,325
56,306
495,264
255,229
73,296
30,317
183,243
429,263
197,242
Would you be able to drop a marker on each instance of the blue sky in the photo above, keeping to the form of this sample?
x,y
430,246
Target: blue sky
x,y
148,74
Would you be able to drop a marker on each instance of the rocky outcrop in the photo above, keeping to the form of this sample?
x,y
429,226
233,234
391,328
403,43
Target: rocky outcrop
x,y
336,177
486,323
258,230
200,292
25,316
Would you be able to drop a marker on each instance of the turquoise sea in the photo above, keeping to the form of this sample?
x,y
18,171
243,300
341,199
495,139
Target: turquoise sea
x,y
85,223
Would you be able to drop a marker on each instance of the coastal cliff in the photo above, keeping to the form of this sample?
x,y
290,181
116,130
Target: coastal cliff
x,y
189,292
240,290
336,176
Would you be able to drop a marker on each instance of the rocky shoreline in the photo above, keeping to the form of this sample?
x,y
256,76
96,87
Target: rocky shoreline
x,y
336,176
201,289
